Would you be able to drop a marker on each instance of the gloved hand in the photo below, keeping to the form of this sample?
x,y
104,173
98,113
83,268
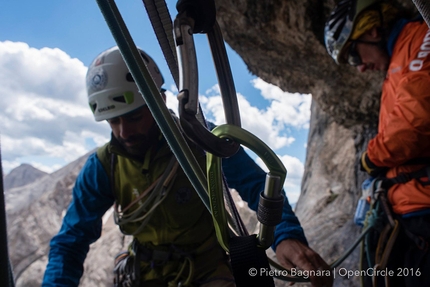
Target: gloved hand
x,y
369,167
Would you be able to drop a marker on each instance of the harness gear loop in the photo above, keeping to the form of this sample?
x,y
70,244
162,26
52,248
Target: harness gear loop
x,y
175,282
173,264
383,250
125,274
385,246
188,88
153,256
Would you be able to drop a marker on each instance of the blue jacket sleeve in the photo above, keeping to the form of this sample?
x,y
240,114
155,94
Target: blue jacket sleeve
x,y
81,226
244,175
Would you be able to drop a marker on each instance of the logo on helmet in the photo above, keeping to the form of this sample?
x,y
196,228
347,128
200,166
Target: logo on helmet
x,y
97,79
104,109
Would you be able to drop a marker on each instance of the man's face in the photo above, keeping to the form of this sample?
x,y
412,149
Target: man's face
x,y
135,131
372,56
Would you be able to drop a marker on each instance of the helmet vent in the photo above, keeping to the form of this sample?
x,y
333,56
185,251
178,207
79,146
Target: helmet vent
x,y
129,78
120,99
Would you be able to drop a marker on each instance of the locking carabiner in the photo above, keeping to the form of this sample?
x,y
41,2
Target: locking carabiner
x,y
271,200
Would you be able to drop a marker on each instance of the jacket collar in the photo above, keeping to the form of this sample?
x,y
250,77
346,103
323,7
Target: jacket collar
x,y
394,34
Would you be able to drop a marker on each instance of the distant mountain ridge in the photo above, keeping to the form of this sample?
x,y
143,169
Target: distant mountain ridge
x,y
22,175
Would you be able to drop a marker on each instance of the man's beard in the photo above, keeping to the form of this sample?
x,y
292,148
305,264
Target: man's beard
x,y
141,142
140,145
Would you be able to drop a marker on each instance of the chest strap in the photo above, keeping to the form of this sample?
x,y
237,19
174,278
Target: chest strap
x,y
405,177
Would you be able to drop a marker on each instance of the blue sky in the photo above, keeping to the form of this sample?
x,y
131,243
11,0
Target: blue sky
x,y
45,49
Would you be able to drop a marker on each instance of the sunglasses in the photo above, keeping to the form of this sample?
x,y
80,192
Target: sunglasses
x,y
353,58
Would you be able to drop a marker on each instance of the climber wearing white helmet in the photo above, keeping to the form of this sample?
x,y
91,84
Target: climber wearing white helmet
x,y
174,240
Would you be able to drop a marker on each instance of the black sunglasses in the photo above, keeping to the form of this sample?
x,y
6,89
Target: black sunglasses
x,y
353,58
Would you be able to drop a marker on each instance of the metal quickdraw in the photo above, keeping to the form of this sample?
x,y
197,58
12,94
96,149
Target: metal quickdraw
x,y
271,200
248,251
189,109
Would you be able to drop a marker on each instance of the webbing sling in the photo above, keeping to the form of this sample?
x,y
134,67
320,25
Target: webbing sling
x,y
162,24
249,262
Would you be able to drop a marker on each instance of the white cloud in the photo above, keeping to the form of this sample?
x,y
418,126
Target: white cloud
x,y
43,108
269,124
172,101
288,109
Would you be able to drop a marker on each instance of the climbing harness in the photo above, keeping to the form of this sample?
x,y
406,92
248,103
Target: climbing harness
x,y
146,262
381,222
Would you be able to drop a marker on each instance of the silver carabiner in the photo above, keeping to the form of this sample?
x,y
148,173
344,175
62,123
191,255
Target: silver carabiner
x,y
189,111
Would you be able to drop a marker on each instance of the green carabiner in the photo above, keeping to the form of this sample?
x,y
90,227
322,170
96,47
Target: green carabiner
x,y
214,177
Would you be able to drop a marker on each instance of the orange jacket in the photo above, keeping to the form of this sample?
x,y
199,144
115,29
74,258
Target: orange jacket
x,y
404,119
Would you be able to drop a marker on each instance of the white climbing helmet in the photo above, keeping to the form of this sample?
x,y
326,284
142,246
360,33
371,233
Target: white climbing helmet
x,y
111,89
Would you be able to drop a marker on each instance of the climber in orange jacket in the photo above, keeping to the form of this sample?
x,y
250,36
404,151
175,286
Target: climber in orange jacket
x,y
373,35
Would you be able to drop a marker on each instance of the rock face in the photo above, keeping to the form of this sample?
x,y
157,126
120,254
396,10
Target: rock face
x,y
34,215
